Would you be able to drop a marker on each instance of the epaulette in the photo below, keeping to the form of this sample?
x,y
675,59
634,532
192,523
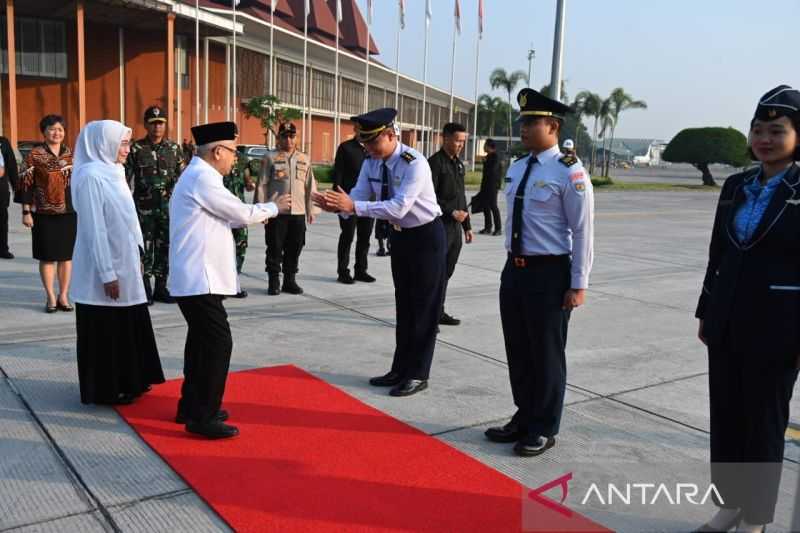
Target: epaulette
x,y
568,160
408,156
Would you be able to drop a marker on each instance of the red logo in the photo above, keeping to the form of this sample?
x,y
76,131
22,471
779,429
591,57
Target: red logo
x,y
537,494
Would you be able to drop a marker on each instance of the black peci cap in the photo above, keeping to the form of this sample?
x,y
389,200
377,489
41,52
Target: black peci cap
x,y
216,131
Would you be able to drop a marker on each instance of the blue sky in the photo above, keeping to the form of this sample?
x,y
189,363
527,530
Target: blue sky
x,y
695,62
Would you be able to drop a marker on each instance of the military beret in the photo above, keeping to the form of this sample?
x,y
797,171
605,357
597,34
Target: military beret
x,y
154,114
287,128
370,125
216,131
535,104
782,101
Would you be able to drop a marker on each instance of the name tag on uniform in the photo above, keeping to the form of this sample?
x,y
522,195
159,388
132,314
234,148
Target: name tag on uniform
x,y
507,180
374,180
396,180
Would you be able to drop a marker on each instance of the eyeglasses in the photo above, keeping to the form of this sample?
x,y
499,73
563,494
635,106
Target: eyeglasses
x,y
231,150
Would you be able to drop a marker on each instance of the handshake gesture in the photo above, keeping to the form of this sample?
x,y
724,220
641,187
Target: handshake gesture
x,y
334,201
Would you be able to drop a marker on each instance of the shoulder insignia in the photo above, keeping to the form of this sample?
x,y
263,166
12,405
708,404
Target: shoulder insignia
x,y
568,160
408,156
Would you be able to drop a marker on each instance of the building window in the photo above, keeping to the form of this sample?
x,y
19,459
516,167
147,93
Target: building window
x,y
352,97
322,91
41,47
182,61
289,78
376,95
251,71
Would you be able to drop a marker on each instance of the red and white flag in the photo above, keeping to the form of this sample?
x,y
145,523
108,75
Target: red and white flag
x,y
480,18
457,15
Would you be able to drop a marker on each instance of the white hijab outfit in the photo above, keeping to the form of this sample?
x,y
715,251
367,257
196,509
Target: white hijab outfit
x,y
109,235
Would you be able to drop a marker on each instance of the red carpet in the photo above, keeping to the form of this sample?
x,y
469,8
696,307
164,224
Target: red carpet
x,y
312,458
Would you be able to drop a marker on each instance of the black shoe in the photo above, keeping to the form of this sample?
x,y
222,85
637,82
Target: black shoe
x,y
49,309
6,255
511,432
124,399
212,430
409,387
363,276
705,528
345,278
241,294
533,446
387,380
381,252
497,232
64,307
221,416
161,294
274,287
485,231
148,290
291,286
447,320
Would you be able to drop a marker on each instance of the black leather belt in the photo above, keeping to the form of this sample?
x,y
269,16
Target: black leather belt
x,y
524,261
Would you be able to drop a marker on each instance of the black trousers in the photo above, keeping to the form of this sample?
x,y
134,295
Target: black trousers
x,y
491,211
419,275
206,357
361,227
453,231
5,197
535,333
749,416
285,236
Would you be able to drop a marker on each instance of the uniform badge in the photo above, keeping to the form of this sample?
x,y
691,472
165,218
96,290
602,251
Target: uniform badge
x,y
156,112
577,176
280,174
771,113
523,100
580,186
540,183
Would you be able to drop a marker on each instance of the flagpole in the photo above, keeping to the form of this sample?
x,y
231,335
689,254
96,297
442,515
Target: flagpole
x,y
397,61
197,61
305,68
425,75
336,84
233,61
366,76
475,117
453,60
270,140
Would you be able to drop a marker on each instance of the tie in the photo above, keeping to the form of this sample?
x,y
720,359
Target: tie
x,y
519,204
384,182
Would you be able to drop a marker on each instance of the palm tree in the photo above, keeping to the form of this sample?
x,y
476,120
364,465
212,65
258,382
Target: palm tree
x,y
592,106
620,101
490,107
580,108
500,79
606,125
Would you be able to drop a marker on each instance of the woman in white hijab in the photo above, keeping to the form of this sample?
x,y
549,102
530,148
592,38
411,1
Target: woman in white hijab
x,y
117,354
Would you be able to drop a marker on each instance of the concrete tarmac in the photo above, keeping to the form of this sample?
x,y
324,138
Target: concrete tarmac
x,y
637,401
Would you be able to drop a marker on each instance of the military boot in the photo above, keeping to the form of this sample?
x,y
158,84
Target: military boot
x,y
148,290
290,286
161,294
274,287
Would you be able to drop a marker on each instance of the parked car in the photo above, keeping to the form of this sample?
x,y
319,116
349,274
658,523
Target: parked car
x,y
250,152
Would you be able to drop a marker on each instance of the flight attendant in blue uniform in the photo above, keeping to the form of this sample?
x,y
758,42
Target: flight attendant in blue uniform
x,y
749,313
551,212
400,178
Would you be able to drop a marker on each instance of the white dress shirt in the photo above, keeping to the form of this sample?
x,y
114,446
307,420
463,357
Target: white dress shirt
x,y
108,240
202,252
412,200
558,214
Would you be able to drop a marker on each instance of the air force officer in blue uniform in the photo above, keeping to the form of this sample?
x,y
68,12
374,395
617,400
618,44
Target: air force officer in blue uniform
x,y
550,205
395,185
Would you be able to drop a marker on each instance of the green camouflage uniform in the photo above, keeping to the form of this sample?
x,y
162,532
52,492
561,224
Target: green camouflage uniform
x,y
235,183
153,170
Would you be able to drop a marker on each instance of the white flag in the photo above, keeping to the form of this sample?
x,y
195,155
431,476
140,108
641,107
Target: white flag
x,y
273,4
308,7
457,15
402,14
428,12
338,10
369,12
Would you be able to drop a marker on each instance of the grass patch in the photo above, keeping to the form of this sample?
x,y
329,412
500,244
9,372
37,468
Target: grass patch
x,y
323,173
611,185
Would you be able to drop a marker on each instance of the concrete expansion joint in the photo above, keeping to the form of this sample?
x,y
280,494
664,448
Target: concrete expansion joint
x,y
155,497
79,484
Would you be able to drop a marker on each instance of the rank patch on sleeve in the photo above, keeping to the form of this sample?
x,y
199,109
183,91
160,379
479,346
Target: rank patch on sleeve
x,y
578,175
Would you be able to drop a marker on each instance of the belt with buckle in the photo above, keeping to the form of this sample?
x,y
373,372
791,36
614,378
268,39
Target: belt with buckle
x,y
524,261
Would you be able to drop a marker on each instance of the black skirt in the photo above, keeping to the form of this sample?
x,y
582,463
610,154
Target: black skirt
x,y
54,236
117,352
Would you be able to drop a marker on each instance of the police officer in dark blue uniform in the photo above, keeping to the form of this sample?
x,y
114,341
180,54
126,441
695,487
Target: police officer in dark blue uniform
x,y
749,313
550,213
400,178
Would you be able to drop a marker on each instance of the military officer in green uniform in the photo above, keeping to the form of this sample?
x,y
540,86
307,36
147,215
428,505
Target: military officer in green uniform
x,y
152,169
238,181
